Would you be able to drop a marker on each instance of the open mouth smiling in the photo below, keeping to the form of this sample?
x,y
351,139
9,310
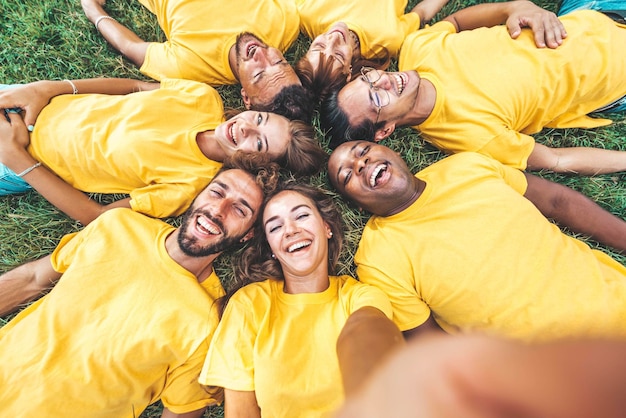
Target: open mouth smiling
x,y
377,174
298,246
232,132
204,225
401,81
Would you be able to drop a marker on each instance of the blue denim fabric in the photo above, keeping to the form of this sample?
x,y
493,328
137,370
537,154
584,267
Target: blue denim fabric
x,y
571,5
10,183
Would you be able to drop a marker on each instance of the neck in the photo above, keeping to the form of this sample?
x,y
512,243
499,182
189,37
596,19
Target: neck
x,y
208,147
415,192
201,267
424,104
316,282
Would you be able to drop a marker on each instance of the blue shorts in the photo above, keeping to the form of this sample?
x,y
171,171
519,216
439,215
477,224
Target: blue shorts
x,y
10,183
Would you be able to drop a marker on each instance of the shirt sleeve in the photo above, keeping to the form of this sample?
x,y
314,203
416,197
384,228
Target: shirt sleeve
x,y
163,199
183,392
409,310
230,361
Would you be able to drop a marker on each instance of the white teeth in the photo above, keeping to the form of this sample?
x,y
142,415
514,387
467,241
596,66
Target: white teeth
x,y
204,224
232,132
375,174
298,245
400,83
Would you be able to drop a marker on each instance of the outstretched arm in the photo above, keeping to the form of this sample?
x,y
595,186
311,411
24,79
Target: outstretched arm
x,y
473,376
366,338
25,283
13,142
119,36
32,97
547,28
240,404
427,9
575,211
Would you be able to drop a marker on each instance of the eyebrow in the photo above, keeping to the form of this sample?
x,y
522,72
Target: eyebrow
x,y
295,208
341,166
241,200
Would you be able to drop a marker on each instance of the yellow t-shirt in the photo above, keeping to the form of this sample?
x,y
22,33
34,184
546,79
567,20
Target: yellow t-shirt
x,y
481,257
494,91
200,34
283,346
379,24
125,326
141,143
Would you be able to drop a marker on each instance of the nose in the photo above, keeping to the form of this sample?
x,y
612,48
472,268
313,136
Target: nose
x,y
260,55
360,164
291,228
246,128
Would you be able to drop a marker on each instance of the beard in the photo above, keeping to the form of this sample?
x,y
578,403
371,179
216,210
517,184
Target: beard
x,y
192,247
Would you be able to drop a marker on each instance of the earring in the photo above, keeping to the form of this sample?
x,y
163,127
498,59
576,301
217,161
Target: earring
x,y
274,256
330,234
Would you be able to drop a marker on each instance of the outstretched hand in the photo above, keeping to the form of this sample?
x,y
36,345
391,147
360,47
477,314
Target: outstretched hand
x,y
26,97
14,136
547,28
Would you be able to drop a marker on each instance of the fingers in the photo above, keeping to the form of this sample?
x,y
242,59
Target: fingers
x,y
547,28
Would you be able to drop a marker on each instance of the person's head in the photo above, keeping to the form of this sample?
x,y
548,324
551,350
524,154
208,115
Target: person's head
x,y
373,176
262,71
334,57
338,42
370,107
290,143
300,228
222,216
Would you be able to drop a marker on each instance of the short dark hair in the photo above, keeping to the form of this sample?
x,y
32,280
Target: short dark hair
x,y
294,102
336,126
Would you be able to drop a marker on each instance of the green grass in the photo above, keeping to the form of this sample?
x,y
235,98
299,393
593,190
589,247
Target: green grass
x,y
51,39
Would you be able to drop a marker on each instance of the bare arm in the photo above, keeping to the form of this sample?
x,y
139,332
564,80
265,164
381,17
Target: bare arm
x,y
119,36
426,328
427,9
575,211
240,404
33,97
473,376
366,338
547,28
73,202
193,414
25,283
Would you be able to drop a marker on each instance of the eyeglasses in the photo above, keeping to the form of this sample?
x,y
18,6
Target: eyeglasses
x,y
380,98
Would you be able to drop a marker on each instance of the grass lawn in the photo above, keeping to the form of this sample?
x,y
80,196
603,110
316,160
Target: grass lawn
x,y
52,39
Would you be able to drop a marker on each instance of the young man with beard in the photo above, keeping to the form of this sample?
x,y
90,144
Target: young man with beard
x,y
218,43
465,242
130,319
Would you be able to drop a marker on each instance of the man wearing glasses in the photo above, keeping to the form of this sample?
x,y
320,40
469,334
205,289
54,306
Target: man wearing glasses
x,y
479,90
